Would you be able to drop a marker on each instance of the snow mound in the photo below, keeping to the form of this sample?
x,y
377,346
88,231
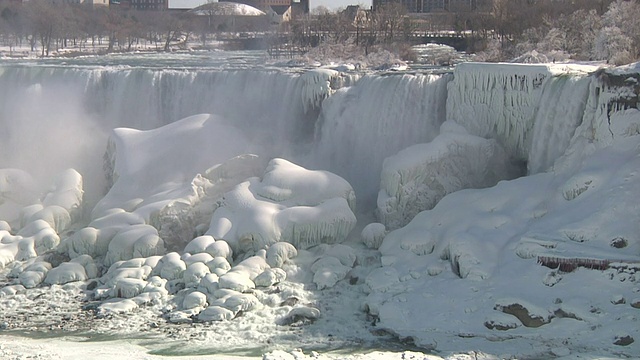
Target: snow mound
x,y
163,184
31,227
289,203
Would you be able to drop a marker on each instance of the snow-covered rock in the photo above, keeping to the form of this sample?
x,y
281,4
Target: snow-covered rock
x,y
373,234
290,203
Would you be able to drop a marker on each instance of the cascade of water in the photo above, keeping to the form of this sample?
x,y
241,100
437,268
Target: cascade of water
x,y
497,101
58,117
562,106
362,125
69,111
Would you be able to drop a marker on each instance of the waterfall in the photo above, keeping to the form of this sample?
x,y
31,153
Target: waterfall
x,y
56,117
380,115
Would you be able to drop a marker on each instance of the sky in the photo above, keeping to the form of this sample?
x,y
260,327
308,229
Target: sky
x,y
331,4
335,4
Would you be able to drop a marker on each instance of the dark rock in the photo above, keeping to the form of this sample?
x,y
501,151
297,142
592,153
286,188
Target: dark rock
x,y
524,316
619,243
292,301
92,285
623,340
492,325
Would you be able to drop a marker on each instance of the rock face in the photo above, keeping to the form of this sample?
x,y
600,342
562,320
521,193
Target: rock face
x,y
526,316
623,340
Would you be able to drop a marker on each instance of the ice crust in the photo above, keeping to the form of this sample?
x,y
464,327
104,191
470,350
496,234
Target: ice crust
x,y
195,228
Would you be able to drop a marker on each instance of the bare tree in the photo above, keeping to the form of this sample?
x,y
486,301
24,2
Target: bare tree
x,y
45,21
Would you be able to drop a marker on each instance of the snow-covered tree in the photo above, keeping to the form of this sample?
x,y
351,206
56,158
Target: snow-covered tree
x,y
619,39
613,45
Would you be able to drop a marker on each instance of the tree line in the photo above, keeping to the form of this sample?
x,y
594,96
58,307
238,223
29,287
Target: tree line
x,y
46,26
582,30
598,30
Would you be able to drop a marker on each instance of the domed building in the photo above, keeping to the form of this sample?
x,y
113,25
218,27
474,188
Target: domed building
x,y
226,9
230,16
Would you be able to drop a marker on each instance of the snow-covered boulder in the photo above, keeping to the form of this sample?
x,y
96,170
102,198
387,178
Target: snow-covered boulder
x,y
290,203
373,234
194,273
215,313
240,277
333,265
134,242
209,284
67,192
279,253
56,216
34,274
270,277
170,267
194,300
219,265
79,269
199,244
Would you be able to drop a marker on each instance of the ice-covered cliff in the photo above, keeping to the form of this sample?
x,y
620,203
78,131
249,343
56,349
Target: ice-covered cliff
x,y
523,250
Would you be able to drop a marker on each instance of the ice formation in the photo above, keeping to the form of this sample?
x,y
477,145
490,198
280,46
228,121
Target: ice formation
x,y
288,203
418,177
538,237
378,116
519,105
33,226
317,87
194,228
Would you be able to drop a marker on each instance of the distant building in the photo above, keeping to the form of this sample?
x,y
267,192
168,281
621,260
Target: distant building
x,y
356,14
229,16
96,2
279,10
431,6
79,2
145,4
